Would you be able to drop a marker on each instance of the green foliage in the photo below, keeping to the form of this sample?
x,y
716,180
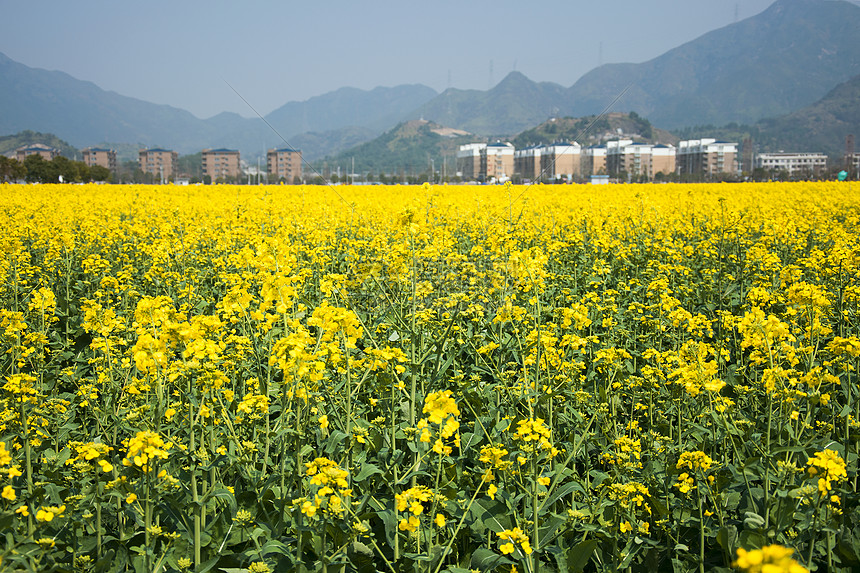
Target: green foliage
x,y
411,147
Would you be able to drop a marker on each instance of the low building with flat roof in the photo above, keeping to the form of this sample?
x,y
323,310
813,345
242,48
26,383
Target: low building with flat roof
x,y
45,151
795,164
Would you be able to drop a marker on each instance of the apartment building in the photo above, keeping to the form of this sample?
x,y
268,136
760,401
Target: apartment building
x,y
46,152
285,164
469,161
93,156
593,160
161,163
527,163
497,162
221,164
795,164
561,160
636,159
707,157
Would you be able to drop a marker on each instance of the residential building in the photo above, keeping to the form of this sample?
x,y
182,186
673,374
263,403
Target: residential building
x,y
285,164
561,160
93,156
795,164
663,159
594,160
637,159
46,152
853,161
527,163
497,162
161,163
707,157
221,164
469,161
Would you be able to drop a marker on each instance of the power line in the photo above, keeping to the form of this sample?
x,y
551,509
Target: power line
x,y
287,143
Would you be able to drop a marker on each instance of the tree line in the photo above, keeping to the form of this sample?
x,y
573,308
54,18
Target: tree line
x,y
36,169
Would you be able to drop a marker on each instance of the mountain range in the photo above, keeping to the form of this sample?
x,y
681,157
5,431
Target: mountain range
x,y
774,63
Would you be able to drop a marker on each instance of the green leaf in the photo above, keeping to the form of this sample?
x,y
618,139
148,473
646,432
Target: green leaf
x,y
367,470
727,537
208,565
274,546
468,440
492,515
485,559
580,554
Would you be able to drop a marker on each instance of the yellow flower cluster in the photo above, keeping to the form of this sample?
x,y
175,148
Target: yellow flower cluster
x,y
768,559
828,467
412,500
697,465
627,453
442,411
48,513
534,437
89,451
145,448
331,486
514,539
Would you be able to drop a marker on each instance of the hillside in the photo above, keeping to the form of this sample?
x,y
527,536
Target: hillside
x,y
411,147
787,57
820,127
9,143
512,105
772,64
84,114
610,126
376,110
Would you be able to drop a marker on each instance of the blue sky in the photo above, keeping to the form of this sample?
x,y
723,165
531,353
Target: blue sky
x,y
179,52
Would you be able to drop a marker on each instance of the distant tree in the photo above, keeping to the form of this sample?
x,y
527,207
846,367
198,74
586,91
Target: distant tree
x,y
37,169
100,173
65,168
11,169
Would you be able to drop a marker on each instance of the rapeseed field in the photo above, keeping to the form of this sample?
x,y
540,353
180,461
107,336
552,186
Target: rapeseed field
x,y
430,378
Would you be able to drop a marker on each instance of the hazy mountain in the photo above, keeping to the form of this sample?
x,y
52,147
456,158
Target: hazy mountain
x,y
821,127
787,57
512,105
776,62
773,63
84,114
315,145
377,109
